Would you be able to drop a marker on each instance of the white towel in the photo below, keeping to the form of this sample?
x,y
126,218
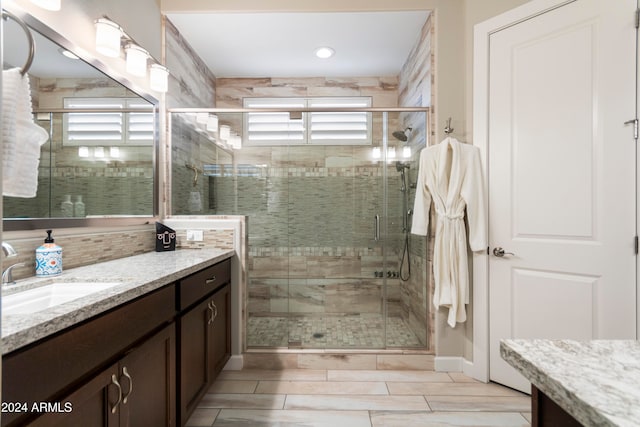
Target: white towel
x,y
21,137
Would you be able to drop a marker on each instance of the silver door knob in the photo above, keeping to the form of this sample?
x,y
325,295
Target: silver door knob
x,y
499,252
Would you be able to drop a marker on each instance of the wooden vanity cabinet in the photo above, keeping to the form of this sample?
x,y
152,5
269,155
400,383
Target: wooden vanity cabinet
x,y
138,390
204,338
74,362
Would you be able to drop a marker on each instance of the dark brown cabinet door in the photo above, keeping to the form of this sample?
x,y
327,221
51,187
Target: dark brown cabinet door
x,y
95,404
147,378
137,391
220,332
205,347
193,359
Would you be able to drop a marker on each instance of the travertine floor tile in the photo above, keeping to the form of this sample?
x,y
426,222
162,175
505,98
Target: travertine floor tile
x,y
450,389
479,403
338,403
263,418
358,398
275,375
382,375
321,387
249,401
202,417
233,386
459,377
460,419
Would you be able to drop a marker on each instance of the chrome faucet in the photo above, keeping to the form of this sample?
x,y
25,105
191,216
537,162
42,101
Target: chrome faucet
x,y
9,252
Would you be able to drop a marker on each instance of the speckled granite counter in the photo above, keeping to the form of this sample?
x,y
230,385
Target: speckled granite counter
x,y
597,382
139,275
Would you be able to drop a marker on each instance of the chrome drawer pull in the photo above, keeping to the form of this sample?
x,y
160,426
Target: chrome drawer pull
x,y
211,281
215,311
114,381
126,374
210,321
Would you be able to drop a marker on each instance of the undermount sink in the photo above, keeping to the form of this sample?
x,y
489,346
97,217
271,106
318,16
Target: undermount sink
x,y
38,299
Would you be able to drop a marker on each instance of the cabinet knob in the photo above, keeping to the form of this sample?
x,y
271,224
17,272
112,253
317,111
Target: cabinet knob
x,y
128,377
114,381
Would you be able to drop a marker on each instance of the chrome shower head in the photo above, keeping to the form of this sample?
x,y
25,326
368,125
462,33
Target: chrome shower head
x,y
402,135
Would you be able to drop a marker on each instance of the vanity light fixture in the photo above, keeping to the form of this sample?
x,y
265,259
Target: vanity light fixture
x,y
114,152
110,38
159,78
98,152
225,132
212,123
108,35
235,141
391,153
324,52
406,152
83,152
376,153
53,5
136,59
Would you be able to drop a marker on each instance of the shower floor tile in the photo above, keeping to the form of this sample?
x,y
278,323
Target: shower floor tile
x,y
329,332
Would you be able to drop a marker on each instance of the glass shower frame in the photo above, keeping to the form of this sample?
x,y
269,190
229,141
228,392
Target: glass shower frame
x,y
294,305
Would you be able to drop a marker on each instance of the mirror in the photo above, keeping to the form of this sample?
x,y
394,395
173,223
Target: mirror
x,y
99,161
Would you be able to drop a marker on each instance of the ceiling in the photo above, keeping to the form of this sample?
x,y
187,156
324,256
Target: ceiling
x,y
282,44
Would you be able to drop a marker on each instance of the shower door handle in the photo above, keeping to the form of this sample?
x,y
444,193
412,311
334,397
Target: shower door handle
x,y
376,228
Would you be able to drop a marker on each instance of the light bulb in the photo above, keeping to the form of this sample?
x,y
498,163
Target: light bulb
x,y
225,132
406,152
136,60
159,78
108,35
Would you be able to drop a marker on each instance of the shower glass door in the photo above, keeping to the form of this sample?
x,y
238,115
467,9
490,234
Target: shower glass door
x,y
336,227
331,263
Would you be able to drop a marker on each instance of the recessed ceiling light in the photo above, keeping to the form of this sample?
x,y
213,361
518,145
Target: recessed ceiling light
x,y
324,52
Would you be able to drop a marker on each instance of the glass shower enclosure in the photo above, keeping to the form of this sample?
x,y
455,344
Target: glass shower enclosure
x,y
332,263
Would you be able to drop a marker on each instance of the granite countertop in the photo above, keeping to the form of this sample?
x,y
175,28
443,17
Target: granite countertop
x,y
139,274
597,382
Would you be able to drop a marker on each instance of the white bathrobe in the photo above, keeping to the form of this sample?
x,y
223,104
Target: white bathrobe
x,y
450,177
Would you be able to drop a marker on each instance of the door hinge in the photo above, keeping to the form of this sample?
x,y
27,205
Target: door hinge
x,y
635,127
637,13
635,245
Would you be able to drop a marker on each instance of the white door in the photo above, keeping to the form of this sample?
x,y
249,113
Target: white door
x,y
562,178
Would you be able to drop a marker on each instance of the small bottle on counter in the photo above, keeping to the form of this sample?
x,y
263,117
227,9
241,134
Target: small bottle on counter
x,y
48,258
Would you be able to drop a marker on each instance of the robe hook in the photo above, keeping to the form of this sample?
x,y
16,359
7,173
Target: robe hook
x,y
448,129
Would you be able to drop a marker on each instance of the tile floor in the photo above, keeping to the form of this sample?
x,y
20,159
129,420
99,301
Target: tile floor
x,y
354,398
330,332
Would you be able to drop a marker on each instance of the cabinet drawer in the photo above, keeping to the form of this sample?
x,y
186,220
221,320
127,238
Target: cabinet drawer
x,y
202,283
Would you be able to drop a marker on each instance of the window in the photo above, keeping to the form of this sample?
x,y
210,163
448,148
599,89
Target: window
x,y
108,128
322,128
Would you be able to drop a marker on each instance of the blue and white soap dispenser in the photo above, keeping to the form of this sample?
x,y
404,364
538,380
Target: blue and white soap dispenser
x,y
48,258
